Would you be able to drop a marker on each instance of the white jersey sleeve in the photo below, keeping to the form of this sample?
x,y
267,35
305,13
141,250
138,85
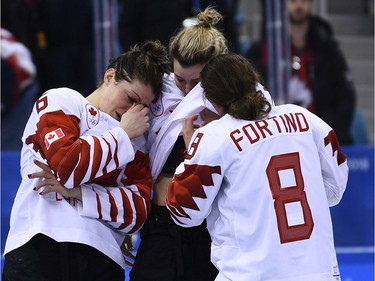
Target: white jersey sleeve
x,y
126,207
68,132
170,128
332,160
196,183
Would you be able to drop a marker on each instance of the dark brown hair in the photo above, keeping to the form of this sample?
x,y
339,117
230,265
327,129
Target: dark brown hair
x,y
146,63
230,81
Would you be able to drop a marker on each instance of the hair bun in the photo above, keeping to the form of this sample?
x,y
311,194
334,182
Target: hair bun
x,y
209,17
155,51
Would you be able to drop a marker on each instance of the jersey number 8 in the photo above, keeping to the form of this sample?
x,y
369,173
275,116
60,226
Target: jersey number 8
x,y
284,195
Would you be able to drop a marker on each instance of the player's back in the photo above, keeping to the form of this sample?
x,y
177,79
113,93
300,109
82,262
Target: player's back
x,y
271,218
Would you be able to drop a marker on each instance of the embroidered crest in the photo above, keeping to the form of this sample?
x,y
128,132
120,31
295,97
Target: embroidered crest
x,y
92,114
156,107
53,136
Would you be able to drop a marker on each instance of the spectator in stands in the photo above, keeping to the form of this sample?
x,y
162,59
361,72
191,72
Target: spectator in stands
x,y
19,89
320,77
20,17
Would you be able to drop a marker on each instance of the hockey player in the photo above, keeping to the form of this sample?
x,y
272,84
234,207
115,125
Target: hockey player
x,y
264,177
96,143
168,252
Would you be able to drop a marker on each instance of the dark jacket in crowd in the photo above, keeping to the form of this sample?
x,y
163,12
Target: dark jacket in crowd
x,y
332,86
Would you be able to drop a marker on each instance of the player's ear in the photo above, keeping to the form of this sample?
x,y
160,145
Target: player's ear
x,y
109,75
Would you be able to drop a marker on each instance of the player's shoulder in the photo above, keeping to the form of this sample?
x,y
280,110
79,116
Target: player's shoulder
x,y
65,99
220,127
216,135
290,109
314,121
64,93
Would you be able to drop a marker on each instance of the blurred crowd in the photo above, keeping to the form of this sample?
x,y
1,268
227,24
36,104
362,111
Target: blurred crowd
x,y
55,48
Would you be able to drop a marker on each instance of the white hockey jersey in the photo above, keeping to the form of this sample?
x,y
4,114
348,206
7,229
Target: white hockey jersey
x,y
265,188
86,147
167,115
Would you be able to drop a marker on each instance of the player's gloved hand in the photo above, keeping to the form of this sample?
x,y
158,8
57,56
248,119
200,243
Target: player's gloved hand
x,y
135,121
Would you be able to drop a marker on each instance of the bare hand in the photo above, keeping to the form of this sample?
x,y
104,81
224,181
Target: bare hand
x,y
126,248
51,183
189,128
135,121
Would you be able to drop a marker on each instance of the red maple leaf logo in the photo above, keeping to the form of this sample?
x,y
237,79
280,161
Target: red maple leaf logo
x,y
190,184
92,111
51,136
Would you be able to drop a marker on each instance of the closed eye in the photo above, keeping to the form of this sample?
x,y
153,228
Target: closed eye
x,y
179,78
131,100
